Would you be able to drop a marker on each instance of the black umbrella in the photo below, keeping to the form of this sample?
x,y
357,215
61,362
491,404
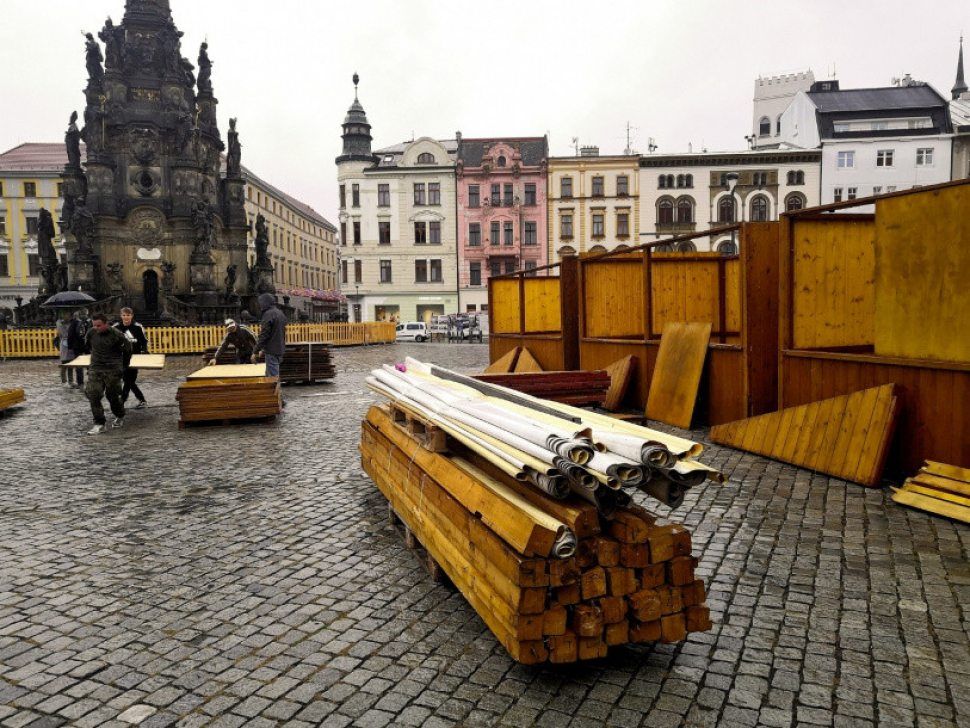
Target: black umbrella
x,y
68,299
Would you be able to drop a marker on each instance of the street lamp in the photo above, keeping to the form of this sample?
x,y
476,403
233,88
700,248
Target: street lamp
x,y
732,183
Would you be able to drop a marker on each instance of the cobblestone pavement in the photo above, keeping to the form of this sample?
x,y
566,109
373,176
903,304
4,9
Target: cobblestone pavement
x,y
245,575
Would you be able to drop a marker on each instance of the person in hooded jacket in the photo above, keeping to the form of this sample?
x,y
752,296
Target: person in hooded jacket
x,y
135,333
272,335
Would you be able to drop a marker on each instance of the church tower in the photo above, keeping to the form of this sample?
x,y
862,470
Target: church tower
x,y
356,136
960,86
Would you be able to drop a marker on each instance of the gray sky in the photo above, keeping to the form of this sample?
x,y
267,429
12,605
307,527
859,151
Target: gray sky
x,y
679,71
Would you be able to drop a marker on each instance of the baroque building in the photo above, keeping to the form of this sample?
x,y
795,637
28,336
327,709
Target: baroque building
x,y
398,241
502,224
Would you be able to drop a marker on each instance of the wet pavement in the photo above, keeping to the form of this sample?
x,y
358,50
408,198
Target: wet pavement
x,y
246,575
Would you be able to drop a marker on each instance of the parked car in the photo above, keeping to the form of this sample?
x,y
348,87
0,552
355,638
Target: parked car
x,y
412,331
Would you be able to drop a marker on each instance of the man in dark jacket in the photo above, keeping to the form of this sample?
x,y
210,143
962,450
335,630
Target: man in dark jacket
x,y
241,338
108,348
272,335
135,333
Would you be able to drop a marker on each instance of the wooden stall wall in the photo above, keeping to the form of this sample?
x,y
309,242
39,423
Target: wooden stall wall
x,y
692,286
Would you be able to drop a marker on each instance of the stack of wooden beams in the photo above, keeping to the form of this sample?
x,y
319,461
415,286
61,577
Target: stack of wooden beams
x,y
579,387
941,489
10,397
230,398
629,579
304,361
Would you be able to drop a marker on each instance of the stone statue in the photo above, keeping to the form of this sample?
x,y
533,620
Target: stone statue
x,y
45,234
114,275
262,242
82,228
204,222
72,140
62,284
113,38
93,60
91,133
230,279
205,70
168,276
234,154
187,72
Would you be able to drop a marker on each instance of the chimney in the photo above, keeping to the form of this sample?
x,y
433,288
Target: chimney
x,y
589,151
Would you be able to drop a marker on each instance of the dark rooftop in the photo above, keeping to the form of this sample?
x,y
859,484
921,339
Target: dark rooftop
x,y
877,99
532,149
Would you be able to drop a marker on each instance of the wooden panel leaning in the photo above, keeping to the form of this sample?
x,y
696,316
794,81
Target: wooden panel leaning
x,y
847,436
11,397
677,373
539,607
943,490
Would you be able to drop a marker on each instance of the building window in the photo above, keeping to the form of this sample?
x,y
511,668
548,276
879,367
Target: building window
x,y
597,186
419,193
495,268
434,193
436,271
688,180
837,196
343,233
383,195
474,196
4,265
878,126
386,271
358,271
420,271
623,225
566,188
425,158
725,210
507,237
33,265
475,274
924,157
665,211
508,198
622,186
343,271
31,224
494,232
30,190
343,196
355,194
420,233
877,190
794,202
566,226
685,210
764,126
384,232
598,225
434,232
3,225
778,126
475,234
530,195
356,232
761,179
510,266
680,180
60,190
846,160
497,195
796,177
759,209
853,192
502,161
662,182
531,236
884,158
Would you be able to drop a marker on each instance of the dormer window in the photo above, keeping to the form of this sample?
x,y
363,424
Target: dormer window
x,y
425,158
501,161
388,157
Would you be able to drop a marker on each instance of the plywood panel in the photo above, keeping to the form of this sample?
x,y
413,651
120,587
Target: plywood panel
x,y
846,436
922,271
542,304
613,304
680,363
503,316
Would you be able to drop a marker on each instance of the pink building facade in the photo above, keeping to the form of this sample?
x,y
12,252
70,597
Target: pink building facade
x,y
502,221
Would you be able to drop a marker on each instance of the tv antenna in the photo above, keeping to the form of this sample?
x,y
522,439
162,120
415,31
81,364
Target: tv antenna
x,y
629,146
576,145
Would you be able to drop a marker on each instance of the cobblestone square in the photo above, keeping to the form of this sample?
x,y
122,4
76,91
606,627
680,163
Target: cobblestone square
x,y
246,575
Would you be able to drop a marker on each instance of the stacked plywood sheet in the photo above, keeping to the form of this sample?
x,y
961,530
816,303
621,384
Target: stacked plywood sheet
x,y
552,579
10,397
304,361
209,396
940,489
580,387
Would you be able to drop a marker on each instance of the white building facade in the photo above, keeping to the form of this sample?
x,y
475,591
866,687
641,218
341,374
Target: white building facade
x,y
772,95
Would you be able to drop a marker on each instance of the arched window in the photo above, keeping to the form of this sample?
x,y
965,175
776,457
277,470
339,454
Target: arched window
x,y
680,180
791,177
688,180
566,250
665,248
662,182
794,201
726,247
725,209
759,209
665,211
778,125
685,210
764,126
501,161
686,247
670,181
799,178
597,249
425,158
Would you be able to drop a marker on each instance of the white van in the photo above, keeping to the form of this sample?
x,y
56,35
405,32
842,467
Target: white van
x,y
412,331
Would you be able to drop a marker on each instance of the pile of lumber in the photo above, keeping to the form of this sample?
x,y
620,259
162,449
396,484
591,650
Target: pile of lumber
x,y
941,489
525,505
625,580
230,398
10,397
579,387
304,361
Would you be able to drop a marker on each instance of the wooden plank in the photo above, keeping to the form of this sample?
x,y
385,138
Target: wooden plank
x,y
621,372
229,371
933,505
912,487
947,471
505,364
138,361
677,374
11,397
527,363
826,414
946,485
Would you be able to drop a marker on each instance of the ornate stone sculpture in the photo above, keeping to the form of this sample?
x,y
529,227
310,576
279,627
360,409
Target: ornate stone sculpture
x,y
45,234
230,279
168,276
92,129
187,72
62,277
262,242
72,140
113,38
204,221
205,70
115,279
234,154
93,60
82,228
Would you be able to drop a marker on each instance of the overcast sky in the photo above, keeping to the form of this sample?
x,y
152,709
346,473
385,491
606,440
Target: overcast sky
x,y
679,71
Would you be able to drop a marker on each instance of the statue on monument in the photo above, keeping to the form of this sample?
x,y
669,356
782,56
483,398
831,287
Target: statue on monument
x,y
205,70
168,276
262,243
230,279
204,222
187,72
72,140
82,228
46,251
91,133
113,38
93,60
62,277
234,154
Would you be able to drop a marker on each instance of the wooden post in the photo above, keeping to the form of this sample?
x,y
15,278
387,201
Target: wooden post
x,y
570,311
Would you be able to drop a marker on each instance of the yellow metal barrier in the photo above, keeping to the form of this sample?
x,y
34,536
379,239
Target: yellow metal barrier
x,y
30,343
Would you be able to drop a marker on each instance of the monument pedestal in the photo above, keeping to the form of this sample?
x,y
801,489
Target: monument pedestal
x,y
202,273
261,279
85,274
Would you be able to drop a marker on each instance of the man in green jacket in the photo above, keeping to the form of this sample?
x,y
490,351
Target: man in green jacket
x,y
109,348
